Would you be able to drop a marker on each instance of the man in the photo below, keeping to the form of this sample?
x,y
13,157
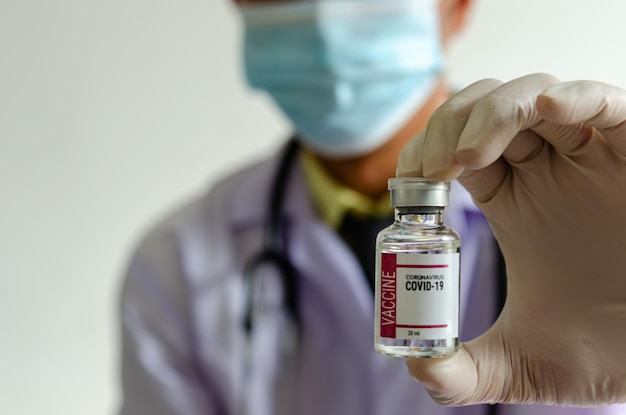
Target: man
x,y
357,79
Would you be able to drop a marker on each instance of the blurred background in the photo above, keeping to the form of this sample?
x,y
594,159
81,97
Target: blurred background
x,y
114,112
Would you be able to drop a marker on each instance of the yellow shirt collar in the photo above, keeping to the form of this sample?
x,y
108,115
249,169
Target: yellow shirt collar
x,y
333,200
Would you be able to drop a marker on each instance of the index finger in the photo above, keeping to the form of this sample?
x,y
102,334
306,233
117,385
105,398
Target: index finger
x,y
498,117
596,104
432,152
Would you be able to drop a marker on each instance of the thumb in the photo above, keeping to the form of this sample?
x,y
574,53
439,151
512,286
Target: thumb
x,y
477,373
449,380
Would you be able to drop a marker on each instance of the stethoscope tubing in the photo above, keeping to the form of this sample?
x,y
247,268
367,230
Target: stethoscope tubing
x,y
274,251
274,254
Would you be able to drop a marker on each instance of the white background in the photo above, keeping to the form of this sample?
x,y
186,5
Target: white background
x,y
113,112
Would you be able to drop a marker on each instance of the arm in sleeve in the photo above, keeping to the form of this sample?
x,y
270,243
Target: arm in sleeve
x,y
160,371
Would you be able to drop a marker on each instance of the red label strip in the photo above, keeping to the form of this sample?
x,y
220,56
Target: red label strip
x,y
388,295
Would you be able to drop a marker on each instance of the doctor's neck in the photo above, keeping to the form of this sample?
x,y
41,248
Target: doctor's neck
x,y
368,174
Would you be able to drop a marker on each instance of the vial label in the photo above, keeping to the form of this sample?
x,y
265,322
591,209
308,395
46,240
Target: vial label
x,y
418,296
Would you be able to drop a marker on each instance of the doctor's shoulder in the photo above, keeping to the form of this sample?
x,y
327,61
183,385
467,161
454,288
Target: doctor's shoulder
x,y
199,228
183,269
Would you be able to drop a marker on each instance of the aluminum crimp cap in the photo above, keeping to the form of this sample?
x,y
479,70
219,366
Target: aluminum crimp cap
x,y
418,191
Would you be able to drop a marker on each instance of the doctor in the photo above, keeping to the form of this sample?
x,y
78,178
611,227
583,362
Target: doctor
x,y
210,326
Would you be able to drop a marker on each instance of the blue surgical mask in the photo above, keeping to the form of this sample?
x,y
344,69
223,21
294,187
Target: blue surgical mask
x,y
347,73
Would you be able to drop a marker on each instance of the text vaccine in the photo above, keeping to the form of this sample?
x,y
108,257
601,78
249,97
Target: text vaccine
x,y
417,273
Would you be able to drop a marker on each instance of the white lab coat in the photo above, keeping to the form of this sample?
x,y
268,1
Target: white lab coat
x,y
182,302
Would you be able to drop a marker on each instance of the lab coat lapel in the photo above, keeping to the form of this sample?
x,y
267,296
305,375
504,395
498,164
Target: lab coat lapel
x,y
310,243
335,302
324,261
336,305
337,313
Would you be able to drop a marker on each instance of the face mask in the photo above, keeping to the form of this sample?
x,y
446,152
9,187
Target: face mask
x,y
347,73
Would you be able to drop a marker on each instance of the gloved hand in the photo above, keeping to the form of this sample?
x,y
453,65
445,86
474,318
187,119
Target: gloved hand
x,y
546,162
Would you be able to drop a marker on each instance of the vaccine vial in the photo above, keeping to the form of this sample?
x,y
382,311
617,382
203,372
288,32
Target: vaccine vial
x,y
417,274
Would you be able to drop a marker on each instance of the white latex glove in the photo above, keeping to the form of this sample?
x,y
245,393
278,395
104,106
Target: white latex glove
x,y
546,162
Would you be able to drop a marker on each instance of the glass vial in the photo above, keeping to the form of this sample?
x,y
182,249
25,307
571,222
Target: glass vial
x,y
417,274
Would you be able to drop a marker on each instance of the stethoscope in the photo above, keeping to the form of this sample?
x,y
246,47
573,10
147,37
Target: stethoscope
x,y
274,254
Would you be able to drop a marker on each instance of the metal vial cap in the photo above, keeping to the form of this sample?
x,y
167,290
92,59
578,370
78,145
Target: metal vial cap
x,y
418,191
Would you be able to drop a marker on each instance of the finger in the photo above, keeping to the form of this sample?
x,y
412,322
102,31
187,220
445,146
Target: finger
x,y
477,373
444,129
449,381
566,139
498,117
410,158
484,184
597,104
523,147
